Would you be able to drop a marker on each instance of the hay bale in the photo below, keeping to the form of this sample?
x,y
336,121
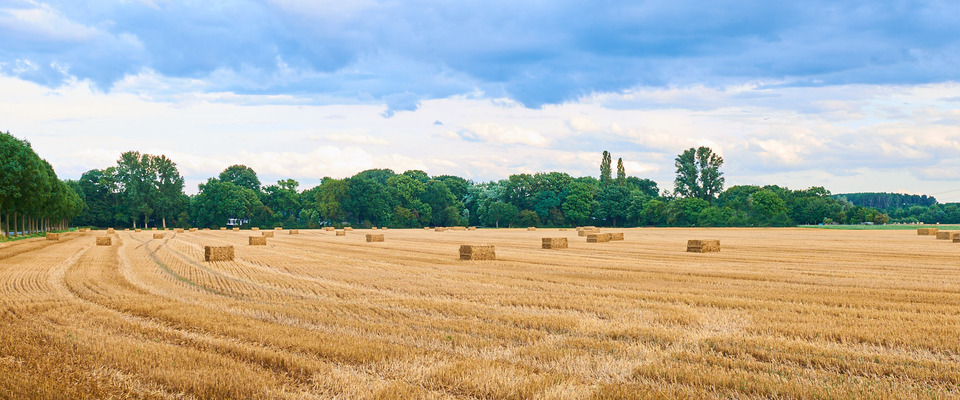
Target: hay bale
x,y
258,241
374,228
235,229
426,228
384,228
206,229
457,228
587,232
110,231
598,237
153,229
329,228
217,253
104,240
178,231
267,234
158,236
342,233
956,237
472,228
703,246
563,229
348,228
193,229
223,228
531,228
616,236
294,231
136,230
554,243
256,228
944,235
279,228
374,237
477,252
53,236
927,231
439,229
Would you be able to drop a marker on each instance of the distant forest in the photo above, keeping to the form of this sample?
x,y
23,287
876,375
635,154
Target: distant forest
x,y
144,190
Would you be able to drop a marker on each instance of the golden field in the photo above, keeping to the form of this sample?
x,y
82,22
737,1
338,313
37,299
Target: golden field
x,y
778,313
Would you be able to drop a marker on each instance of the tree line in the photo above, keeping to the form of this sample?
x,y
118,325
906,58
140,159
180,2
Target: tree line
x,y
32,198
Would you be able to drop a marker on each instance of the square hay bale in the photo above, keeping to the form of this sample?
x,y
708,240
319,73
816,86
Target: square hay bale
x,y
956,237
257,241
563,229
294,231
136,230
348,229
587,232
217,253
472,228
426,228
267,234
153,229
223,228
53,236
329,228
944,235
158,236
342,233
256,228
554,243
477,252
110,231
616,236
384,228
206,229
374,237
236,229
178,230
531,228
104,241
439,229
374,228
703,246
598,237
193,229
927,231
279,228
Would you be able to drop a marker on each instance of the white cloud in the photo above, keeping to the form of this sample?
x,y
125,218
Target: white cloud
x,y
493,132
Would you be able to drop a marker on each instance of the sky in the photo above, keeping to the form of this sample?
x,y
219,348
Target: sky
x,y
850,95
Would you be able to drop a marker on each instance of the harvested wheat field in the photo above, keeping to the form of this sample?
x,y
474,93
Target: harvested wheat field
x,y
780,313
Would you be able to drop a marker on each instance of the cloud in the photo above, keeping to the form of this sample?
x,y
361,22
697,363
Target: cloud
x,y
498,134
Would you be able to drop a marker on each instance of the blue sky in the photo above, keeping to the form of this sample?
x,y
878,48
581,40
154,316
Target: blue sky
x,y
850,95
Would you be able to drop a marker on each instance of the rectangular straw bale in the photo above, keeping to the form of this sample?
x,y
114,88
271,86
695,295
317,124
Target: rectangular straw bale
x,y
472,228
329,228
439,229
178,230
193,229
206,229
342,233
153,229
587,232
458,228
104,241
110,231
944,235
598,237
236,229
279,228
294,231
616,236
374,228
258,241
956,237
256,228
217,253
703,246
158,236
563,229
267,234
384,228
136,230
374,237
426,228
53,236
348,228
554,243
223,228
927,231
531,228
477,252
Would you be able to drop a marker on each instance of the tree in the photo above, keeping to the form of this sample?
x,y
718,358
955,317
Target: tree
x,y
578,203
605,169
501,213
685,211
698,174
242,176
621,173
329,200
613,203
218,202
170,199
767,207
445,206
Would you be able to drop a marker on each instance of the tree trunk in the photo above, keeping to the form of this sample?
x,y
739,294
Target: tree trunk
x,y
164,223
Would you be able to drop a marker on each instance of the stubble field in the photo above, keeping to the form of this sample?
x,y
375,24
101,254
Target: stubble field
x,y
784,313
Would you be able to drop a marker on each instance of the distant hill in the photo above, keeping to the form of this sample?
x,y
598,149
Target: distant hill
x,y
887,201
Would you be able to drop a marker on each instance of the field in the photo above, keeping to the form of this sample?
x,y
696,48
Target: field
x,y
782,313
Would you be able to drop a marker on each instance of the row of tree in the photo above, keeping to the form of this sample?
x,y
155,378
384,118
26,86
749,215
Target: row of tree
x,y
32,198
148,190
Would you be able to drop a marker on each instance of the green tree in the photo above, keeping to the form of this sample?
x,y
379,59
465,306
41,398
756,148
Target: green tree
x,y
170,199
501,213
698,174
578,203
613,203
446,208
241,176
606,173
685,211
621,173
767,207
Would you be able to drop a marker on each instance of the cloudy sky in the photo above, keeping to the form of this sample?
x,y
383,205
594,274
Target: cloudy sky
x,y
853,96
